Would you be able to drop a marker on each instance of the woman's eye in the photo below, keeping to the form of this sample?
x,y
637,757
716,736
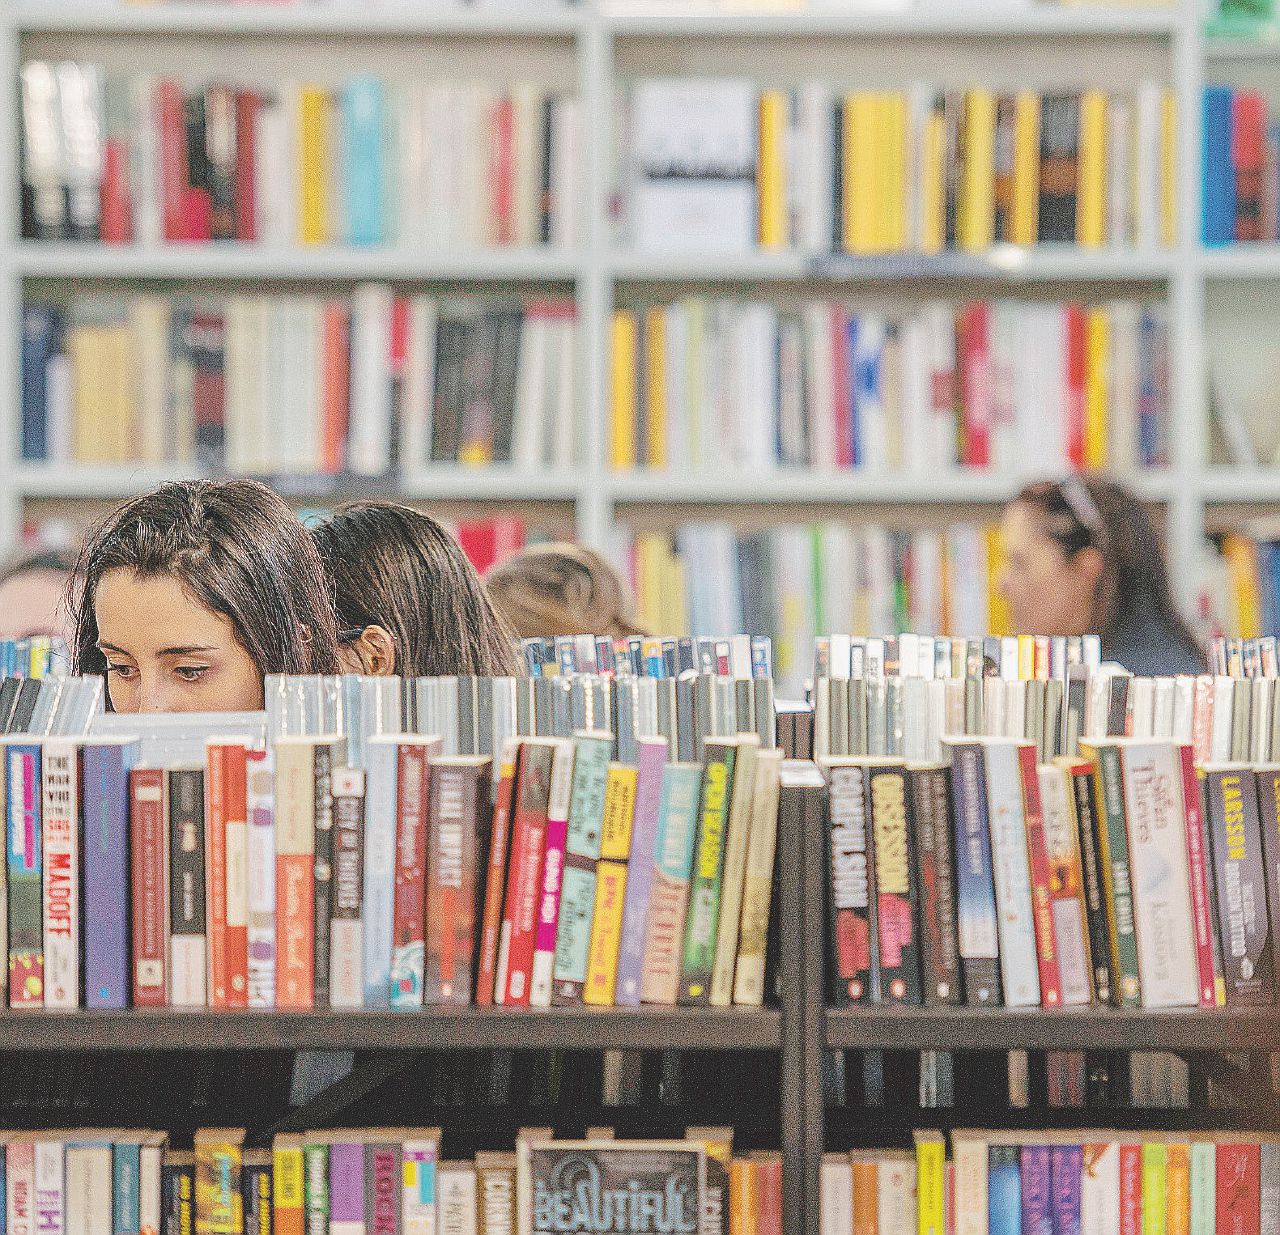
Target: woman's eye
x,y
191,673
123,672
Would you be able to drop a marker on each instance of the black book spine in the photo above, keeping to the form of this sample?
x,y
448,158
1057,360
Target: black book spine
x,y
850,904
1091,865
323,871
940,948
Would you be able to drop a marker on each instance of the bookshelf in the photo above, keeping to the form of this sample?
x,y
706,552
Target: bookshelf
x,y
594,48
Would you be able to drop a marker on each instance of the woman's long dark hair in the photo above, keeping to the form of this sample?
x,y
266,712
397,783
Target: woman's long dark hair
x,y
395,567
1134,585
238,549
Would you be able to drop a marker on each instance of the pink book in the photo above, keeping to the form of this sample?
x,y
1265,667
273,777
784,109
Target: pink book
x,y
544,947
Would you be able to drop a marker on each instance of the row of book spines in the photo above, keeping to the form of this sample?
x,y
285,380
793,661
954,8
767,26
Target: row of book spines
x,y
988,179
228,908
1239,169
1010,657
1199,1185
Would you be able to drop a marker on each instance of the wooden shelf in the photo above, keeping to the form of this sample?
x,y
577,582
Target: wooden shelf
x,y
1000,1029
704,1029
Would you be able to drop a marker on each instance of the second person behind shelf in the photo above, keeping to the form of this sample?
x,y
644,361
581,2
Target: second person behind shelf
x,y
407,599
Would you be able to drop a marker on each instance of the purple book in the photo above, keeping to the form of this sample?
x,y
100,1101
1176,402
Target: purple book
x,y
1037,1190
346,1189
105,815
1068,1168
644,831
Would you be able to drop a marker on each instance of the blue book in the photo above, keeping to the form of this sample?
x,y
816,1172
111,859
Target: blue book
x,y
1152,354
105,812
126,1204
1004,1191
855,429
41,341
976,919
1218,219
363,129
1036,1185
378,907
1067,1173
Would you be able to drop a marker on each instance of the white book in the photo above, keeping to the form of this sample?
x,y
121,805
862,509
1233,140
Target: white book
x,y
1156,828
457,1198
544,955
532,388
50,1193
1147,159
1123,388
308,384
144,162
1162,708
820,366
940,344
1070,926
236,361
346,939
418,1196
419,384
61,874
150,1161
565,424
837,1195
378,901
441,104
1120,205
1007,356
526,107
1184,694
288,184
694,154
81,105
1019,967
866,361
368,451
677,387
1100,1190
812,164
88,1190
1220,739
896,1186
916,399
566,163
411,143
1142,697
261,889
756,380
969,1152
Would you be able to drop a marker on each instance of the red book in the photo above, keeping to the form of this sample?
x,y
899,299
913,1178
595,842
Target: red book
x,y
117,206
843,387
412,774
235,762
1074,314
976,383
769,1194
226,872
1201,920
337,382
172,145
502,170
1130,1190
524,874
1041,893
489,541
495,884
197,214
248,105
1239,1188
1248,157
148,887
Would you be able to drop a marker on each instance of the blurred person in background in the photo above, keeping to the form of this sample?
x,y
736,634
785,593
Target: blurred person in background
x,y
561,589
33,590
1083,557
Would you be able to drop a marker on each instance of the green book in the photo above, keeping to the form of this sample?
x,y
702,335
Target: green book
x,y
708,871
315,1174
1155,1161
1204,1188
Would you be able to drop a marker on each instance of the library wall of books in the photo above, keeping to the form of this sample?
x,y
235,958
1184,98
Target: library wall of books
x,y
742,694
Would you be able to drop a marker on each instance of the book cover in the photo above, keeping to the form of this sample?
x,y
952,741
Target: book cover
x,y
346,942
105,771
895,893
1047,948
287,1186
1066,1170
854,938
260,932
702,919
418,1194
757,889
188,971
219,1200
1084,799
60,820
495,884
930,814
1036,1170
550,882
651,759
408,943
1066,884
611,885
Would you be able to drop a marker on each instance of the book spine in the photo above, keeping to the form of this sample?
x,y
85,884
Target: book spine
x,y
495,880
217,807
237,889
528,848
61,875
1036,1165
1269,825
411,871
939,947
50,1186
260,935
150,933
382,1200
255,1186
187,944
895,891
1066,1170
1084,799
1116,880
708,871
150,1176
1066,885
1204,1175
669,894
1239,1187
459,795
378,901
1154,1183
931,1199
851,910
1005,1190
495,1197
218,1196
315,1173
975,880
640,872
288,1193
735,864
418,1188
105,810
551,878
179,1184
1041,895
322,867
611,886
1178,1189
346,1189
1130,1190
1018,958
295,861
346,945
757,886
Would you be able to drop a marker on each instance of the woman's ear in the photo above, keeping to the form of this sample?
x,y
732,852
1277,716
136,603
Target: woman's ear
x,y
1089,563
377,652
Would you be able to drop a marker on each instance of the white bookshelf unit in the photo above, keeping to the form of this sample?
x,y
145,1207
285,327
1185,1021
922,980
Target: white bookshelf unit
x,y
596,48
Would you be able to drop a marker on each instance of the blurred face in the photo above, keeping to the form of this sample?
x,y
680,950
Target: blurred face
x,y
166,652
31,604
1048,592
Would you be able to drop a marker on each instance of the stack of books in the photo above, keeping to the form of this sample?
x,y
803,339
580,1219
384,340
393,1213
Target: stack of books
x,y
437,165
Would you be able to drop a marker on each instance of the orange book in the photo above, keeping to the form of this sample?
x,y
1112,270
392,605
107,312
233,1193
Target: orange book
x,y
744,1205
495,884
768,1192
236,847
337,382
1177,1183
866,1196
295,862
215,872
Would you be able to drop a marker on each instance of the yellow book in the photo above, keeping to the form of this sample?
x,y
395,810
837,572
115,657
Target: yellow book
x,y
893,161
1169,169
1097,384
314,119
744,1203
624,346
611,885
1154,1171
1241,557
86,350
121,387
1024,222
1091,200
773,169
933,180
734,871
287,1194
647,567
1178,1189
219,1204
655,384
1026,657
757,884
860,173
976,217
1000,619
931,1183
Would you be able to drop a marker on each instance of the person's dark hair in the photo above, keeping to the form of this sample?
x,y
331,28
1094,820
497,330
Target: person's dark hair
x,y
51,560
395,567
238,550
1134,585
561,589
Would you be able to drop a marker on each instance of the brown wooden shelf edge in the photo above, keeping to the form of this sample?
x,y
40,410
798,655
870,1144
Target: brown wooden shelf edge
x,y
649,1028
1067,1029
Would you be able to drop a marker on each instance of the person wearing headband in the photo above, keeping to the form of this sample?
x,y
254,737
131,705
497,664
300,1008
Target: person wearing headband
x,y
1083,557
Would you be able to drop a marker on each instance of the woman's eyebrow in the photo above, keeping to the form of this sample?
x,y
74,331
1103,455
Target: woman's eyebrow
x,y
185,651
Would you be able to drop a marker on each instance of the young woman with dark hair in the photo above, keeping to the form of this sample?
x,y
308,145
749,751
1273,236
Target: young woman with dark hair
x,y
186,597
1083,557
408,601
33,590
